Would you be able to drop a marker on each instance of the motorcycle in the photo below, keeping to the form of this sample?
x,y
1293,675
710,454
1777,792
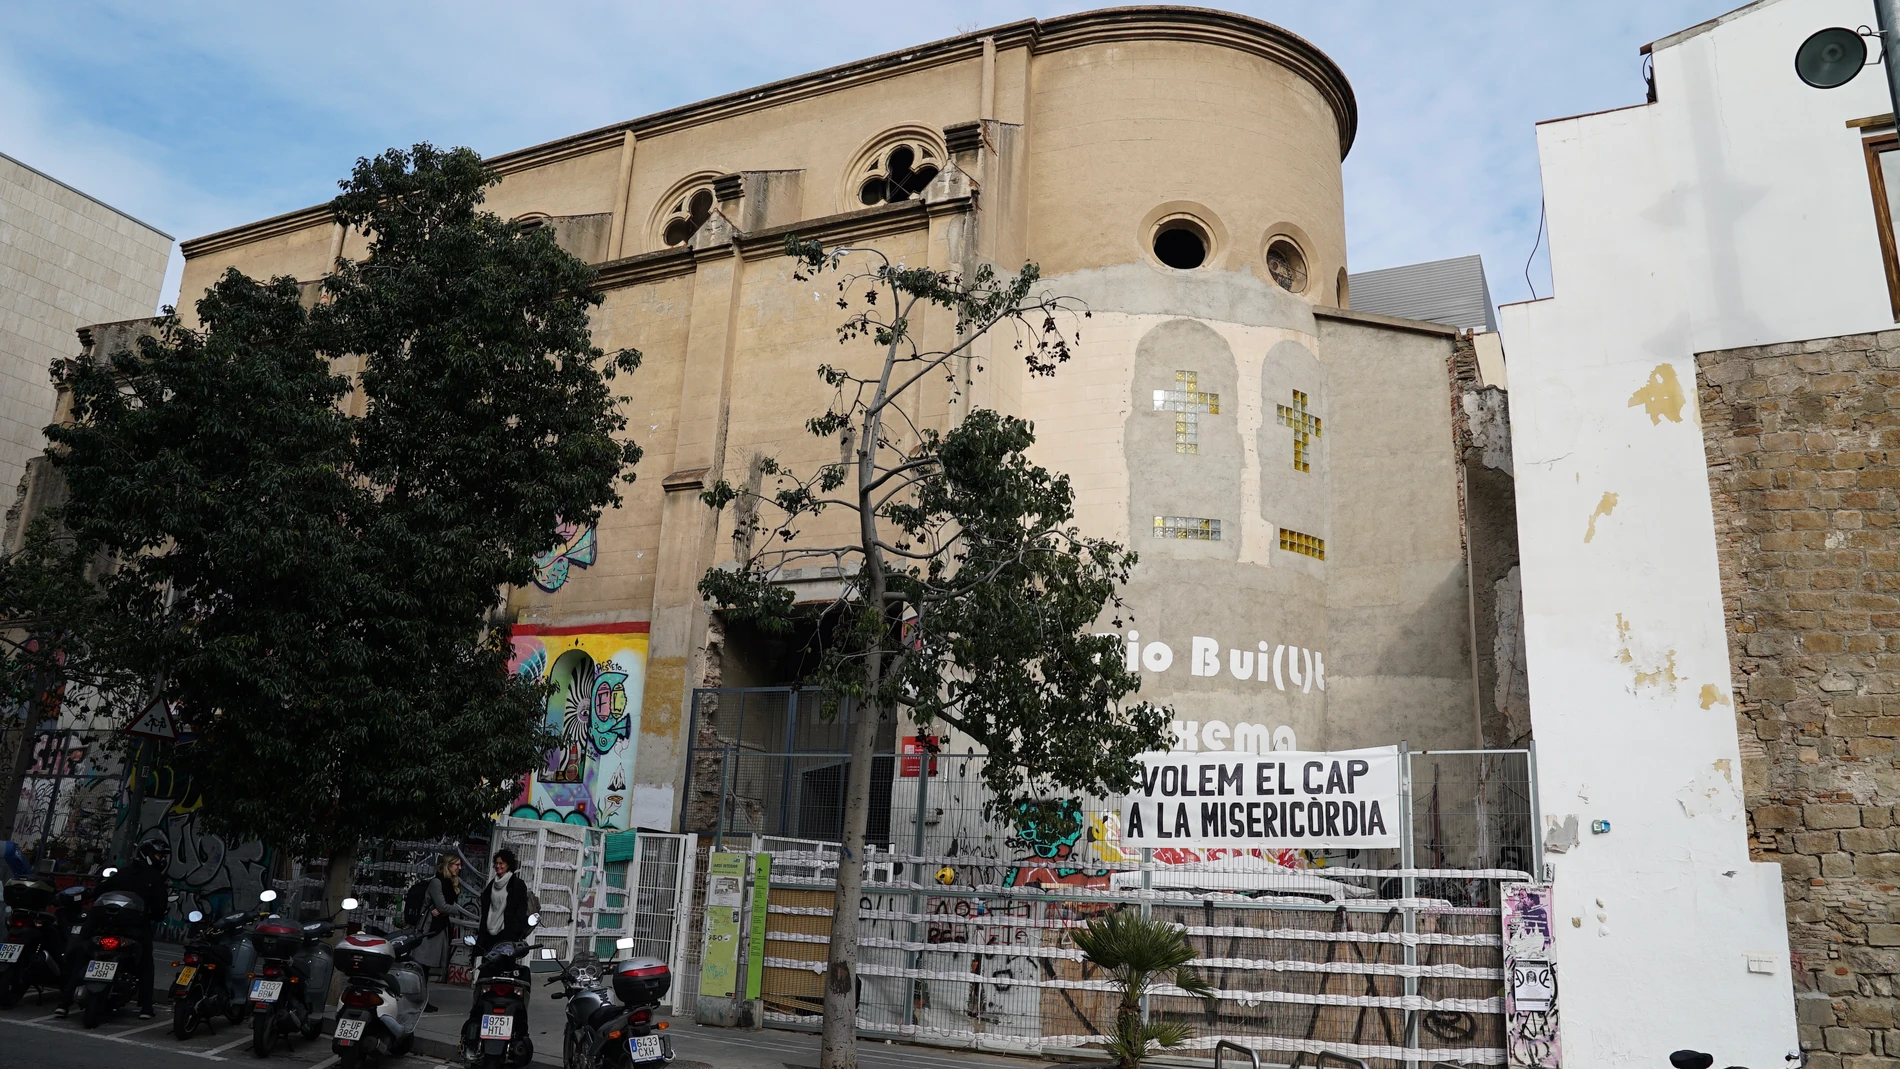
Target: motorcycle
x,y
496,1035
384,998
290,982
110,978
212,978
40,923
596,1027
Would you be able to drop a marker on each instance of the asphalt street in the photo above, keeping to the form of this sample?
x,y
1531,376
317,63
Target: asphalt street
x,y
31,1038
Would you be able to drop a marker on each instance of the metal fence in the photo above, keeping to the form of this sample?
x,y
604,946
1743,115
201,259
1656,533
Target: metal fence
x,y
1391,956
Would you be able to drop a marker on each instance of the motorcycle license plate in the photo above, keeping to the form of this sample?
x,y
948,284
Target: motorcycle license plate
x,y
498,1026
350,1031
266,990
645,1048
10,952
185,974
101,970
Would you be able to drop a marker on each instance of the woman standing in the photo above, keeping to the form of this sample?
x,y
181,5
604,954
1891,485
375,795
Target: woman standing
x,y
444,906
504,917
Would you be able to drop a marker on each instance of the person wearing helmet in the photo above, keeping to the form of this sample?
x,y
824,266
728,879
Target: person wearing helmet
x,y
144,876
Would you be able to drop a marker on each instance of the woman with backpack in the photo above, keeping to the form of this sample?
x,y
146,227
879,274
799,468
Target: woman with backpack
x,y
441,905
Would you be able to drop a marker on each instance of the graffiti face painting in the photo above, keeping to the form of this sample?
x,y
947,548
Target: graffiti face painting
x,y
595,676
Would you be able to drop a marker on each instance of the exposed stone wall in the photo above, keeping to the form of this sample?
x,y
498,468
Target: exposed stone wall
x,y
1802,442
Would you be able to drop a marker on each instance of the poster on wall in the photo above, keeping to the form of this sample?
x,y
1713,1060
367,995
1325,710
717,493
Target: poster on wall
x,y
598,674
1286,799
1530,994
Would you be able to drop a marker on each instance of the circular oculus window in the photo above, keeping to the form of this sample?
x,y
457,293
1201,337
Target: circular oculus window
x,y
1181,243
1286,264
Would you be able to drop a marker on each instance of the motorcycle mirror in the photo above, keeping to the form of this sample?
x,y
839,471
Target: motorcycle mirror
x,y
623,943
350,904
194,916
534,920
108,872
547,954
469,939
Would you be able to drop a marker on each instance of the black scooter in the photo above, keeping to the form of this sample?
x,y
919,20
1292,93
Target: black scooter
x,y
212,974
496,1035
40,924
109,975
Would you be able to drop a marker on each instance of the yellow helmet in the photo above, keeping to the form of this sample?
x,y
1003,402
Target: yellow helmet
x,y
946,875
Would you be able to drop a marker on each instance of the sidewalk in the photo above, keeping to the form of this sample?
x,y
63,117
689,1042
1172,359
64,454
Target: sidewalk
x,y
696,1047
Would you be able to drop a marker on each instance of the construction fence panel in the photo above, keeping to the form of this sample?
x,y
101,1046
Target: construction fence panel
x,y
1389,956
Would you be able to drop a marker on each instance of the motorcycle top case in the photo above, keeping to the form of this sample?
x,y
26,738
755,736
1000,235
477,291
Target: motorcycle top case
x,y
29,893
365,955
641,980
119,903
277,940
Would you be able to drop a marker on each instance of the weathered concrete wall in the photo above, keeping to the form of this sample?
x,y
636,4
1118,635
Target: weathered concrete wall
x,y
1803,442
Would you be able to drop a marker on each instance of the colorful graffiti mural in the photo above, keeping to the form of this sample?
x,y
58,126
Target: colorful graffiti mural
x,y
576,549
596,674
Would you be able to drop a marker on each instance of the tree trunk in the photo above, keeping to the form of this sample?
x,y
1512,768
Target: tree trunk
x,y
841,979
20,738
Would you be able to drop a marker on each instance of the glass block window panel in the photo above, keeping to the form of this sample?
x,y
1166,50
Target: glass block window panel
x,y
1196,528
1305,429
1188,404
1295,542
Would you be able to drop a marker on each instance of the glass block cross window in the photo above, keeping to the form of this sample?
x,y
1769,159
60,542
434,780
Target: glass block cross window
x,y
1295,542
1305,428
1188,404
1197,528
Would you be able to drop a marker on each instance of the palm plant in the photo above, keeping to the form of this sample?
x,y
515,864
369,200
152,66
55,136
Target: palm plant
x,y
1139,954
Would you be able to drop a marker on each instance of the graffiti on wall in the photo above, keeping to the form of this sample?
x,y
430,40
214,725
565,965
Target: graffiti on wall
x,y
1530,996
575,549
595,675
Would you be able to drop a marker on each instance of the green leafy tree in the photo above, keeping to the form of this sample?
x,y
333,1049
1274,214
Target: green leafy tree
x,y
972,599
310,512
1140,954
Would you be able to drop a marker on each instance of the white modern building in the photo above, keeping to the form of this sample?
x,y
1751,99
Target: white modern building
x,y
66,260
1737,207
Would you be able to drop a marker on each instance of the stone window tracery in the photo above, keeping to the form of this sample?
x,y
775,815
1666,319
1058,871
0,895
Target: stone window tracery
x,y
897,173
687,215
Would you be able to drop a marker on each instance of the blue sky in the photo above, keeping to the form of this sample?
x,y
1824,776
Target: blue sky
x,y
198,116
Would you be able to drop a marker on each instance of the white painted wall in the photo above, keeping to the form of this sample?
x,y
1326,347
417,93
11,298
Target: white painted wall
x,y
1734,211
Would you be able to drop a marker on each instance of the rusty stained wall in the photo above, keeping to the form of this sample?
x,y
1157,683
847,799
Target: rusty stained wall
x,y
1802,441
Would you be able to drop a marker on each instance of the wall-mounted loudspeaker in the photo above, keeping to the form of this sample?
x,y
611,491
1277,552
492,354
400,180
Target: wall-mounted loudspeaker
x,y
1830,58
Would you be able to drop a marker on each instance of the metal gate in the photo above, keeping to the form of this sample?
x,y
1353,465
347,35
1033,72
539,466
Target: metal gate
x,y
597,886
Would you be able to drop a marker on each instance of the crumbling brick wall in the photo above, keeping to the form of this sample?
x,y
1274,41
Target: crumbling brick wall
x,y
1802,443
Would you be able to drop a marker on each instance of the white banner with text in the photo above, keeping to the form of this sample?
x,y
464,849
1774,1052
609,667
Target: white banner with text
x,y
1284,799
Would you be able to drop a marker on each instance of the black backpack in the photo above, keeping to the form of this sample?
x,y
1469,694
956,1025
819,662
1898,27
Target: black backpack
x,y
414,902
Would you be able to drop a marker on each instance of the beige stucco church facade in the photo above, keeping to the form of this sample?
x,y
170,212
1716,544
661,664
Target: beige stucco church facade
x,y
1289,469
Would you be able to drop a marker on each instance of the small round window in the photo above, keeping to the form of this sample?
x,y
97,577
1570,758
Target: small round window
x,y
898,175
688,215
1181,244
1287,265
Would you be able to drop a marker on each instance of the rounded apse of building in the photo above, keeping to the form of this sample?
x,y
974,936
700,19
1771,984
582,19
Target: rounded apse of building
x,y
1135,108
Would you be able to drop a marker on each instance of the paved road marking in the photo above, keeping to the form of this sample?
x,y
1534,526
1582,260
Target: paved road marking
x,y
221,1050
209,1055
328,1062
135,1031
